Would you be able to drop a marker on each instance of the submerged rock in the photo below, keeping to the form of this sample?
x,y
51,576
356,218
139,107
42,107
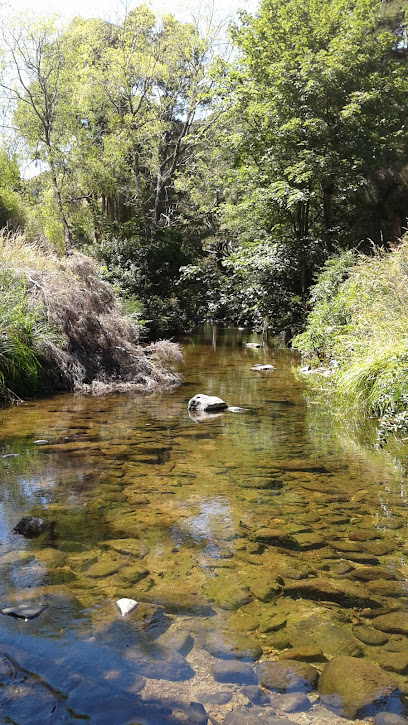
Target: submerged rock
x,y
393,623
192,714
265,588
214,698
227,645
287,676
345,593
387,588
369,636
231,671
371,573
228,593
255,695
291,702
325,635
354,687
393,661
242,716
179,641
304,654
206,403
30,526
389,718
25,611
160,664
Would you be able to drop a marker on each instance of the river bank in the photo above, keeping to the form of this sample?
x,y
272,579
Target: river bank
x,y
63,329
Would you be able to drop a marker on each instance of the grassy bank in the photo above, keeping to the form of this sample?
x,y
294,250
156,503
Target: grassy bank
x,y
62,328
358,327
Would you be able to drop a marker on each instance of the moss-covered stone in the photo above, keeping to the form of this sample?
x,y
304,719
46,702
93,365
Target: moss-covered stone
x,y
350,686
321,633
369,636
227,593
287,676
133,574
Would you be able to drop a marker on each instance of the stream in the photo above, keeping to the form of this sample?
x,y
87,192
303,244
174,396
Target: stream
x,y
263,534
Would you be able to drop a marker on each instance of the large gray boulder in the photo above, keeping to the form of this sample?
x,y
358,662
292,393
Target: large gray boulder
x,y
206,403
355,687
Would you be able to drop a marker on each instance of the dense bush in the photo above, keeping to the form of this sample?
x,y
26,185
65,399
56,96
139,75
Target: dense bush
x,y
360,320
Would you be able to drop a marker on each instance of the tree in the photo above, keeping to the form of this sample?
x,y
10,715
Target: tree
x,y
320,93
35,80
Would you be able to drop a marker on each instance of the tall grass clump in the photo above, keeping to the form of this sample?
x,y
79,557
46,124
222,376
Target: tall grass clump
x,y
359,320
20,330
62,328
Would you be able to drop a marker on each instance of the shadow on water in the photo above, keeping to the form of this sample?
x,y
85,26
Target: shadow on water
x,y
256,534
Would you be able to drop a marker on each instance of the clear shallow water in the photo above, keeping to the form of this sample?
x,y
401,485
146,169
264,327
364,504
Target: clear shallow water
x,y
242,535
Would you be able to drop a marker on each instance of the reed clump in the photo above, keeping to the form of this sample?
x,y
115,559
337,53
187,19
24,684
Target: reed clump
x,y
359,320
62,328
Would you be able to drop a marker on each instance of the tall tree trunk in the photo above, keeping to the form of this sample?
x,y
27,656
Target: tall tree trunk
x,y
58,200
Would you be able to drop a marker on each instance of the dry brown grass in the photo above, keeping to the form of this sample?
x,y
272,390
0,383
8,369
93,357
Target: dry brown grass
x,y
94,348
19,254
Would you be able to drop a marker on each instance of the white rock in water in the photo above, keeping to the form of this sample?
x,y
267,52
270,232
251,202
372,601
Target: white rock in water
x,y
207,403
126,605
41,442
263,367
235,409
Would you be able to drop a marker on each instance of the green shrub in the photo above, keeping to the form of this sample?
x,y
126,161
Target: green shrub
x,y
360,319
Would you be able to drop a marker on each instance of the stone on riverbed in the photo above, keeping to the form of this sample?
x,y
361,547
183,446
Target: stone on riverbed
x,y
393,661
206,403
369,636
242,716
393,623
291,702
132,574
177,640
30,526
127,547
387,588
227,593
265,588
231,671
389,718
345,593
229,645
323,634
371,573
25,611
354,687
287,676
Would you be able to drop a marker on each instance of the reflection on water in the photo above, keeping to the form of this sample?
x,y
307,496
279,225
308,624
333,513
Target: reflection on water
x,y
242,536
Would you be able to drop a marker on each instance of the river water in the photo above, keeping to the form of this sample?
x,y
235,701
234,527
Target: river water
x,y
243,537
